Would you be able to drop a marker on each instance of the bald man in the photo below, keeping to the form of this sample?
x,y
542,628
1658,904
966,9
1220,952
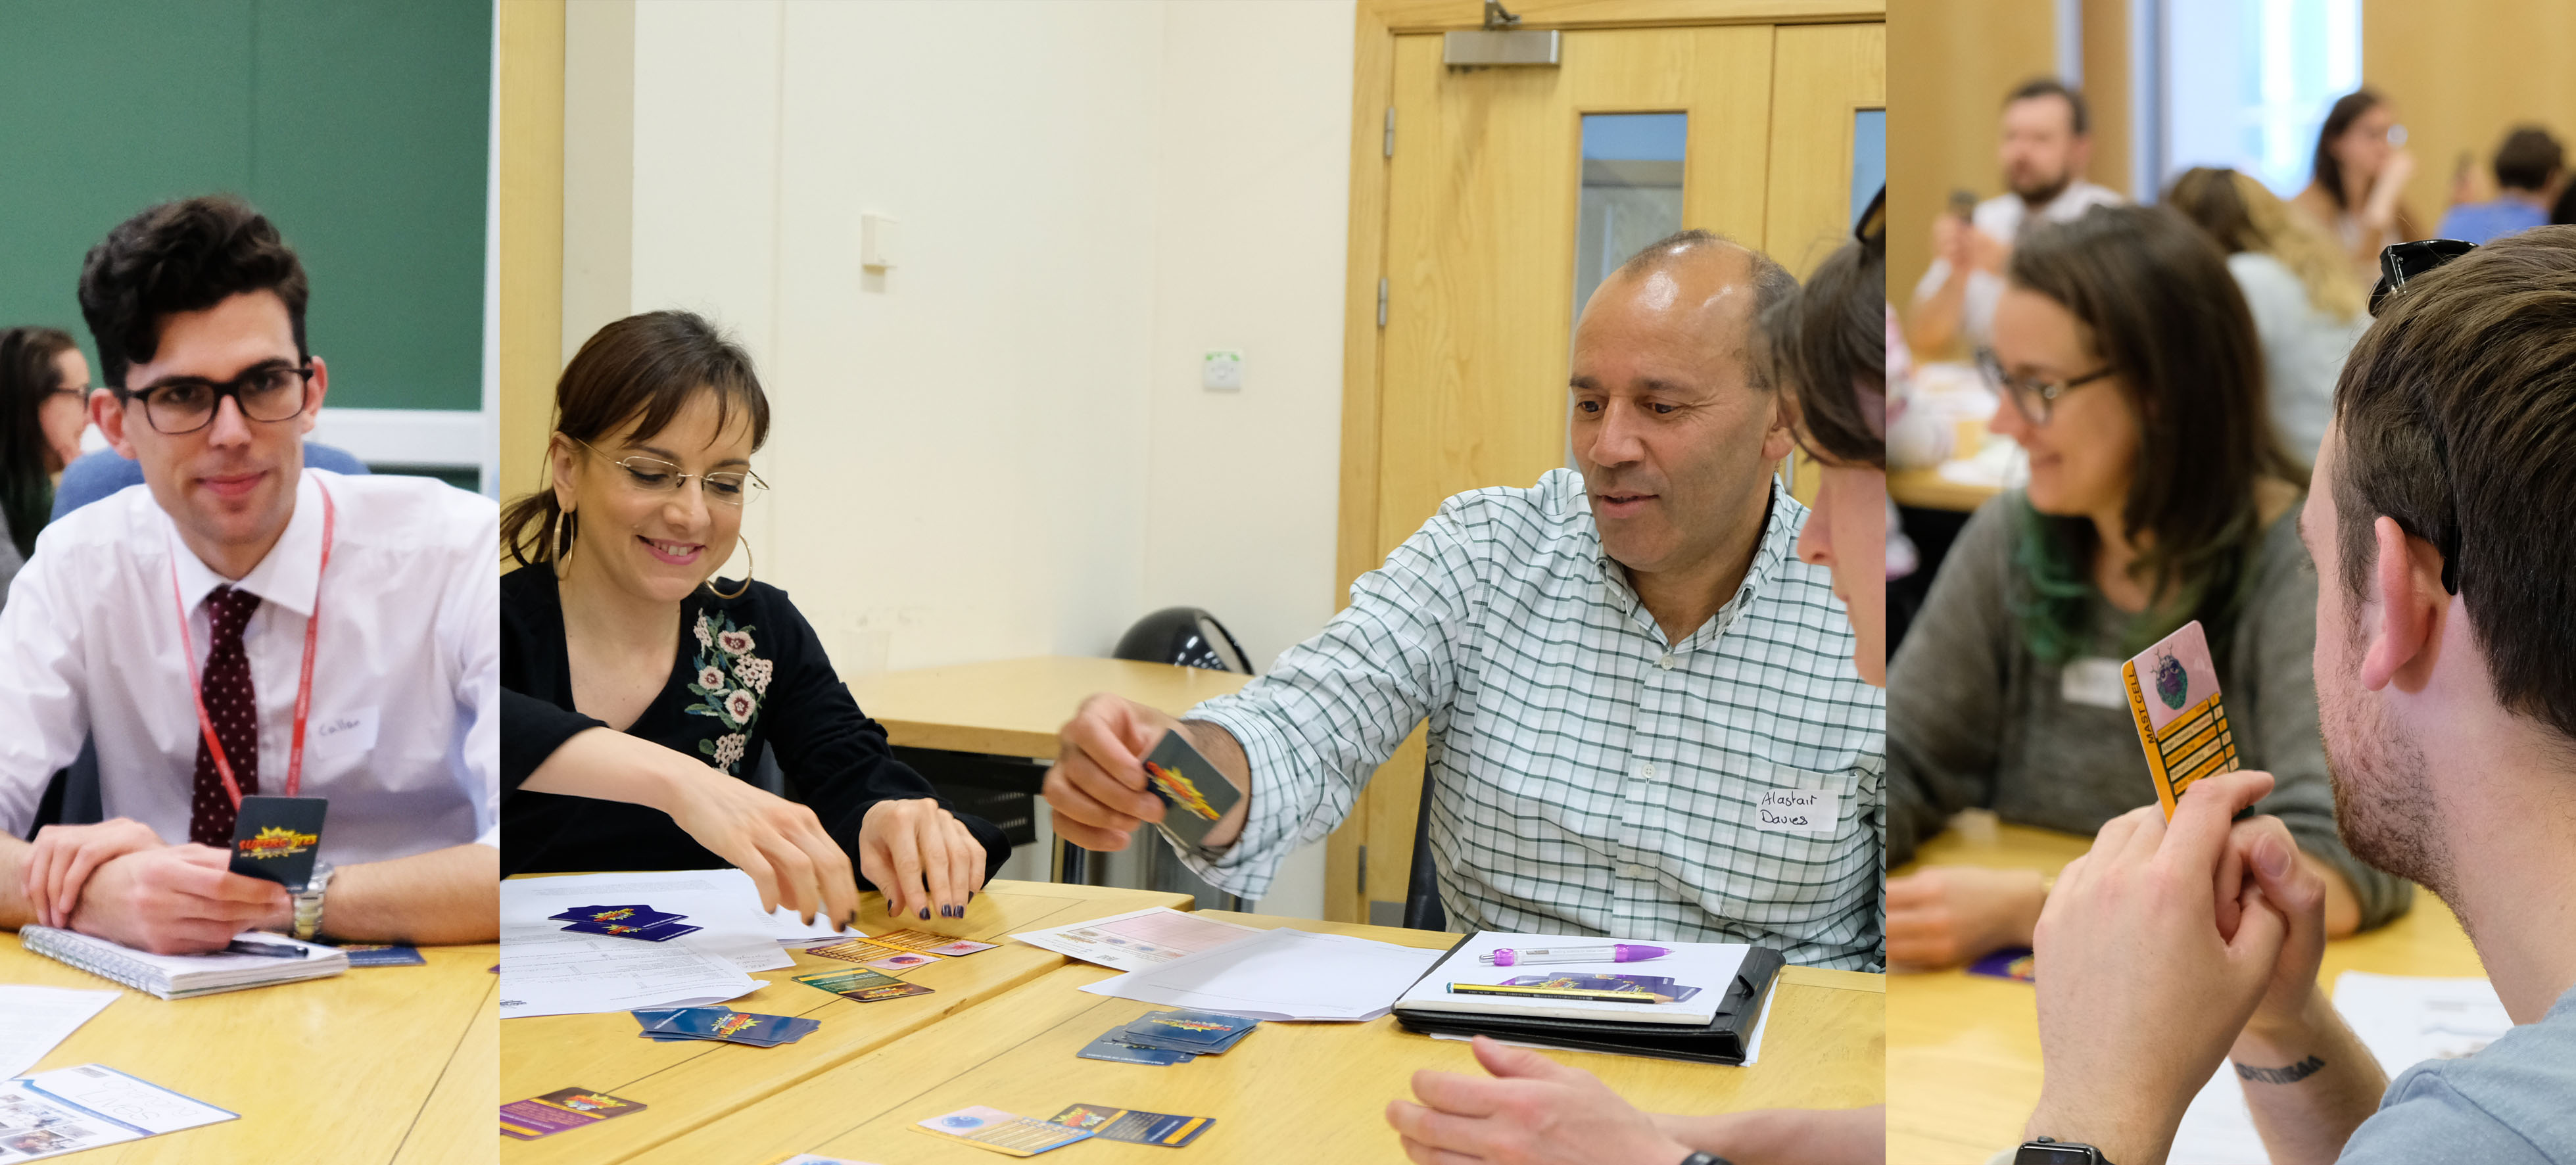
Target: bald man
x,y
1618,665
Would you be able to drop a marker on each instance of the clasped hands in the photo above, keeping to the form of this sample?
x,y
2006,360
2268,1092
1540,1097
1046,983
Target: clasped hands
x,y
119,881
2160,949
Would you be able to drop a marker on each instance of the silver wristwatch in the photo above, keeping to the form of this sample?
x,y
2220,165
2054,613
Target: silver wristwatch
x,y
308,905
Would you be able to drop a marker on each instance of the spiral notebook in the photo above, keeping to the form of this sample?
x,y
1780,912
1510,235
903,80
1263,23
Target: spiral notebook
x,y
184,976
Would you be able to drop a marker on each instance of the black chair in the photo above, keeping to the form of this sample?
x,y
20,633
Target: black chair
x,y
1188,637
1422,884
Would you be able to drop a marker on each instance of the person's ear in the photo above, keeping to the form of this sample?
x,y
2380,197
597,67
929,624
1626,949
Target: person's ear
x,y
1777,436
559,458
108,413
2407,595
313,403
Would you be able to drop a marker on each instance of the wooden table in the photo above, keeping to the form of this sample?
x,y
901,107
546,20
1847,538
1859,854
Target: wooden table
x,y
1963,1050
1012,707
379,1064
1927,489
686,1085
1291,1092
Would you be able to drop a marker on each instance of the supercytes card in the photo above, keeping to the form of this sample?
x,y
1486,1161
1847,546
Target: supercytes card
x,y
1194,794
2173,695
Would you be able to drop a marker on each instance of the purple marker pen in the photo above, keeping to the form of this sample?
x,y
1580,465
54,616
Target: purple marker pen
x,y
1615,953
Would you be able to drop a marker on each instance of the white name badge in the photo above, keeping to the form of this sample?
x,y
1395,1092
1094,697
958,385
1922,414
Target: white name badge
x,y
1818,812
2093,682
343,733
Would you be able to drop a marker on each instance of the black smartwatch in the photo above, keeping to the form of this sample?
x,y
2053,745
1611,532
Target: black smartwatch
x,y
1705,1159
2051,1151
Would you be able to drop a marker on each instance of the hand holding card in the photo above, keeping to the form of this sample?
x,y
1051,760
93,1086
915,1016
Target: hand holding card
x,y
275,839
1194,794
2173,696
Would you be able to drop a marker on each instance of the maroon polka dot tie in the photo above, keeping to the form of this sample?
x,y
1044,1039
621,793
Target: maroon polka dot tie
x,y
226,691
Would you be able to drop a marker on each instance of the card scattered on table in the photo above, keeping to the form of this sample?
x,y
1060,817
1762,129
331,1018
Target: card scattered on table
x,y
382,955
1002,1132
904,961
2173,696
564,1108
1194,794
1113,1046
1202,1033
930,944
2008,963
862,986
1136,1128
856,951
630,915
723,1024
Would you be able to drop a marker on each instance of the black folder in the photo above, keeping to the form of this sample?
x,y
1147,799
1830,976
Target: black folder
x,y
1722,1041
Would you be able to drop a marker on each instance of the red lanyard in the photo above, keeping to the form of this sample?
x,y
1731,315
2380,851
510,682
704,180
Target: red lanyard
x,y
304,686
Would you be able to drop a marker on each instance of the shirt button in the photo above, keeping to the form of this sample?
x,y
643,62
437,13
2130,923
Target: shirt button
x,y
1666,662
1648,770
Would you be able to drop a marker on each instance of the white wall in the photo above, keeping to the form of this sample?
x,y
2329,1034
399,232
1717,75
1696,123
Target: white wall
x,y
999,448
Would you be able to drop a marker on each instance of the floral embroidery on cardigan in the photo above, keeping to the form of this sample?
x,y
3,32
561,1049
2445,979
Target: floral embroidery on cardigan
x,y
730,685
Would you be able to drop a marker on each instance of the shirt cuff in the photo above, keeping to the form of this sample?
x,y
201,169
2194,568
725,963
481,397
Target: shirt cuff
x,y
1246,868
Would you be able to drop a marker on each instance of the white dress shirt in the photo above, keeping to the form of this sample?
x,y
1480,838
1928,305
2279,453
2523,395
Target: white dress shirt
x,y
404,730
2004,217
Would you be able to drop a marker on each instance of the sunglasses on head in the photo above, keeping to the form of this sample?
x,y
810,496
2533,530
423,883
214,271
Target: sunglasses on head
x,y
2405,261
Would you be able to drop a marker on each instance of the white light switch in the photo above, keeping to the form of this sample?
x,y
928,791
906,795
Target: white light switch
x,y
876,242
1221,371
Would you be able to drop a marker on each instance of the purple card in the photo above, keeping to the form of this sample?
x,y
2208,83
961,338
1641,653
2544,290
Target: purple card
x,y
2008,963
630,915
657,932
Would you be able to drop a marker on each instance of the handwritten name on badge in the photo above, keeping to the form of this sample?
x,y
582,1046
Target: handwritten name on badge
x,y
344,734
1810,811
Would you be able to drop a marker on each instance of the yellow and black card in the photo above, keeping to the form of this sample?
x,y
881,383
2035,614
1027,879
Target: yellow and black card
x,y
275,839
2173,696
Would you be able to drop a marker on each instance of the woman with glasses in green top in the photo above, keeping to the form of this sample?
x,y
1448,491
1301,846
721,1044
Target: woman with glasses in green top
x,y
2129,371
639,689
44,405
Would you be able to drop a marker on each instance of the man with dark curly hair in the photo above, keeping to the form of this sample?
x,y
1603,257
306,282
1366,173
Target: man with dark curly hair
x,y
244,624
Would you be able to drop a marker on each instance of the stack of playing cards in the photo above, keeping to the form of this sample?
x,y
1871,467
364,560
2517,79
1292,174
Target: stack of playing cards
x,y
1164,1038
723,1024
901,950
1136,1128
642,922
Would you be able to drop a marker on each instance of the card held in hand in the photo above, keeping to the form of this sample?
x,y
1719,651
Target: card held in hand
x,y
275,839
1193,793
2173,695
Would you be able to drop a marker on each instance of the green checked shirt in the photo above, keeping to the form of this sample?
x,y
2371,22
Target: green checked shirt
x,y
1589,777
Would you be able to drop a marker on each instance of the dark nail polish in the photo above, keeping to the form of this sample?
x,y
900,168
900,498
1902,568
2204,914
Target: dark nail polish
x,y
925,914
970,895
889,907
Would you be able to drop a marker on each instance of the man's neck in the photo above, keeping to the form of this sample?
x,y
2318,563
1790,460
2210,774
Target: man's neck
x,y
2512,846
1684,597
235,560
2536,199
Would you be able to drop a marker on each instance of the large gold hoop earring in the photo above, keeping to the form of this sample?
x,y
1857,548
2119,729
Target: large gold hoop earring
x,y
745,588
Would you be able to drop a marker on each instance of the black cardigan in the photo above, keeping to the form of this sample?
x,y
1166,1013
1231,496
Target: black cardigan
x,y
766,662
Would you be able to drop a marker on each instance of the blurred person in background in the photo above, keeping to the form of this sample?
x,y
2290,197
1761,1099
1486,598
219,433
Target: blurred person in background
x,y
2047,142
2357,182
44,395
2130,373
2530,169
2307,310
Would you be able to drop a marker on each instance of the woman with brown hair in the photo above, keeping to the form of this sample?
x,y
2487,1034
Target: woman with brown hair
x,y
639,690
2357,182
2128,368
2307,309
44,394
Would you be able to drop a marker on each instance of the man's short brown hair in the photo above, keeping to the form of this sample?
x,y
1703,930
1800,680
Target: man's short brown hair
x,y
2458,418
2528,159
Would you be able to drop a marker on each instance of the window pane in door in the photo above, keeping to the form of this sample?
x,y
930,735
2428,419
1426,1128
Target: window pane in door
x,y
1632,191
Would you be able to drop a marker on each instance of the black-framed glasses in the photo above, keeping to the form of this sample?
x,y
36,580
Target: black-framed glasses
x,y
2034,397
185,404
2404,261
728,487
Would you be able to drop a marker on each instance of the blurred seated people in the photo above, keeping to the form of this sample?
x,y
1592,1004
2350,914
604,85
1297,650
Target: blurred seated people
x,y
2307,310
2130,374
2357,183
638,690
96,475
1825,350
2046,144
2530,170
44,405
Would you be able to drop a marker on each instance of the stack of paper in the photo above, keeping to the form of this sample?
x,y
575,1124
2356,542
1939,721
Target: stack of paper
x,y
1281,974
1138,939
549,971
34,1019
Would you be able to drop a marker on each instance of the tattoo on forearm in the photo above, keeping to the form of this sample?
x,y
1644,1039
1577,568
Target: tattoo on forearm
x,y
2290,1075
